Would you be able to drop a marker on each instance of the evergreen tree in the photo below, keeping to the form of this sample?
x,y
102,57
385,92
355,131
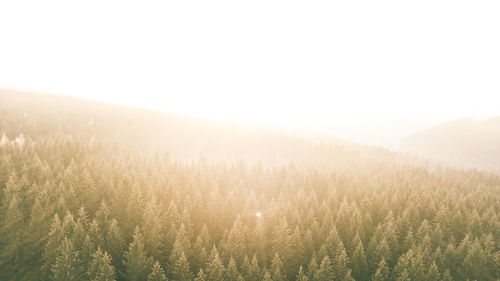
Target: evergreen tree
x,y
267,276
358,263
433,272
312,267
232,272
340,263
157,273
236,244
201,276
325,270
215,269
382,272
56,235
137,264
100,268
114,243
68,265
253,273
301,276
199,255
276,269
11,227
180,266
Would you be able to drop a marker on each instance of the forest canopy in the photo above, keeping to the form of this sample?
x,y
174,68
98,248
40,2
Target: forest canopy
x,y
92,191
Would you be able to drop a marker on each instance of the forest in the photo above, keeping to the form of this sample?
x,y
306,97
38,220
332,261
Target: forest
x,y
98,192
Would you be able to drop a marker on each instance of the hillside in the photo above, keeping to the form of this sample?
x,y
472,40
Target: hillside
x,y
464,143
90,191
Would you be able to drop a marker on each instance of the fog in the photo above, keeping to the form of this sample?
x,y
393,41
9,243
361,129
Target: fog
x,y
368,71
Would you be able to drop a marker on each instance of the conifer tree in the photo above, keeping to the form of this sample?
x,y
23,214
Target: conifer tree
x,y
447,276
325,270
301,276
215,269
276,269
56,235
267,276
348,276
382,272
100,268
201,276
253,272
137,264
358,263
179,264
312,267
199,255
68,265
157,273
152,228
236,245
232,272
340,263
114,243
11,226
433,272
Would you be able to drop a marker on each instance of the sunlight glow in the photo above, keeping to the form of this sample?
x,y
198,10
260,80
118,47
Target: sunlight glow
x,y
340,65
258,214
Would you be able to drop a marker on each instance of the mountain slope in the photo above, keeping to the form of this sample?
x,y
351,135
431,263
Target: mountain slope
x,y
465,142
98,192
183,138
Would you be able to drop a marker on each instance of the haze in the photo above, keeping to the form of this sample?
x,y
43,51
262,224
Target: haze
x,y
372,71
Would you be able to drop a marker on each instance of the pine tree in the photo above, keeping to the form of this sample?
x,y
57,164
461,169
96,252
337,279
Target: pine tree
x,y
11,226
236,243
276,269
267,276
433,272
180,267
312,267
136,262
348,276
301,276
474,265
68,265
100,268
447,276
56,235
340,263
215,269
114,243
152,225
382,272
157,273
281,240
253,272
358,263
325,270
199,255
201,276
232,272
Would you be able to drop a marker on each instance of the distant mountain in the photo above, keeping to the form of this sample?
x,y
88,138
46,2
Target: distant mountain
x,y
465,142
181,137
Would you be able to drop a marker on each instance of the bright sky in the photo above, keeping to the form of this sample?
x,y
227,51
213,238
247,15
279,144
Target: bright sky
x,y
334,64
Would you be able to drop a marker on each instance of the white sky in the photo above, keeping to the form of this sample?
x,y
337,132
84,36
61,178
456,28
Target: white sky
x,y
340,65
